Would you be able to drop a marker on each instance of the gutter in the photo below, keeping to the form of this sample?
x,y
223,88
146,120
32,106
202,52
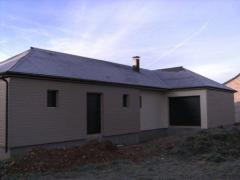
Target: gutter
x,y
6,112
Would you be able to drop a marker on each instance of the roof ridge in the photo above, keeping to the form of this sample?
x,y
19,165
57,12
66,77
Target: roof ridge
x,y
14,58
19,61
105,61
11,58
89,58
179,68
189,71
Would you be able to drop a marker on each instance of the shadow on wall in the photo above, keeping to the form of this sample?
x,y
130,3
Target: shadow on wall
x,y
237,111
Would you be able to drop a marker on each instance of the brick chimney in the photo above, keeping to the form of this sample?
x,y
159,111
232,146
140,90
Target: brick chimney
x,y
136,63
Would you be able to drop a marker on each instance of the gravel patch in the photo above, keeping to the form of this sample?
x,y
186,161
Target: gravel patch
x,y
151,168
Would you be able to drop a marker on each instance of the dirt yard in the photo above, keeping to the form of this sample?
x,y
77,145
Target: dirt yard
x,y
210,154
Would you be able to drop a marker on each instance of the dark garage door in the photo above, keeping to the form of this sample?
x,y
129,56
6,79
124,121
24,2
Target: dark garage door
x,y
184,111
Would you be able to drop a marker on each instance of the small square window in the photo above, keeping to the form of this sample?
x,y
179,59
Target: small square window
x,y
52,98
125,100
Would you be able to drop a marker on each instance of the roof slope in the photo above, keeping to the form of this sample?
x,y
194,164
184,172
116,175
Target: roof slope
x,y
180,77
55,64
8,64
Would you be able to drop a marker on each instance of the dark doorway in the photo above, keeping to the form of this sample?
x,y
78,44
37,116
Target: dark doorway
x,y
185,111
93,113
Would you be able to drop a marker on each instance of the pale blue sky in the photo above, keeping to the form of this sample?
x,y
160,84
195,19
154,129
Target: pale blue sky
x,y
203,35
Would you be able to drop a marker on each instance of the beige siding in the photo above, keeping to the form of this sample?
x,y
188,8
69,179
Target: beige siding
x,y
203,102
154,112
220,108
2,112
32,122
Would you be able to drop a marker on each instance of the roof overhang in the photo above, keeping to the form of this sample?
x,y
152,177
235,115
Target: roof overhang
x,y
75,80
84,81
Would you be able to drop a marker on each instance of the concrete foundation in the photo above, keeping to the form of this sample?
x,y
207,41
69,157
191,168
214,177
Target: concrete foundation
x,y
4,155
182,131
125,139
152,134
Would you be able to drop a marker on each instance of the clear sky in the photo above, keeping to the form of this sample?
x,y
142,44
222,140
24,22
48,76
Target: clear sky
x,y
203,35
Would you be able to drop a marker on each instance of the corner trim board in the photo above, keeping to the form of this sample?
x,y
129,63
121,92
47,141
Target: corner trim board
x,y
6,112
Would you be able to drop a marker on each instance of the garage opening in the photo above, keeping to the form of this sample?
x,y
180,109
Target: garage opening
x,y
185,111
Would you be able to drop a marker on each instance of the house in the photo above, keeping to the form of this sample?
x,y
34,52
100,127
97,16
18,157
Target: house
x,y
52,98
234,83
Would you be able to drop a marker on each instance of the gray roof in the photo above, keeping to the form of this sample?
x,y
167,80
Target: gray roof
x,y
37,61
180,77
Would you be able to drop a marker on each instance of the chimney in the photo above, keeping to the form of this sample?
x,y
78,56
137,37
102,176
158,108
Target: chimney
x,y
136,63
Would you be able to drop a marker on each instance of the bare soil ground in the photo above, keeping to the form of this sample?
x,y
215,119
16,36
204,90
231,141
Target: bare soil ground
x,y
210,154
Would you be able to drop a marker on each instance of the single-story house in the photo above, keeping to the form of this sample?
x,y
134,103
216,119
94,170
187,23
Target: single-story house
x,y
234,83
50,98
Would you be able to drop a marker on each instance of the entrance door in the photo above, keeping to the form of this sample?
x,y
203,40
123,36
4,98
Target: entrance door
x,y
185,111
93,113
